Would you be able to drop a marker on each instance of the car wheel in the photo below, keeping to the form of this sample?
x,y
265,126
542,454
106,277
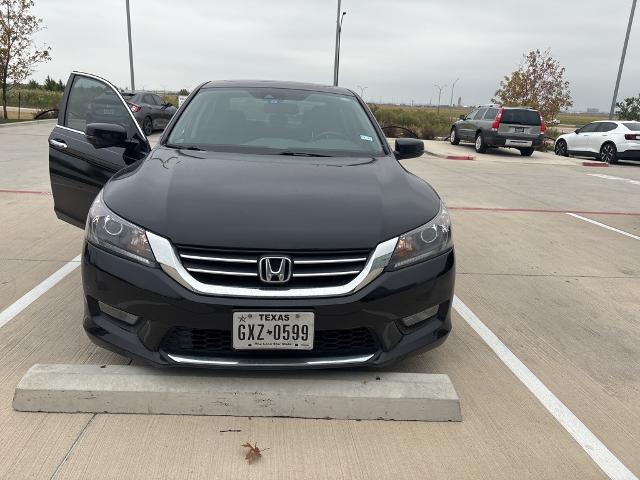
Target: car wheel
x,y
454,138
147,126
481,147
609,153
527,152
561,148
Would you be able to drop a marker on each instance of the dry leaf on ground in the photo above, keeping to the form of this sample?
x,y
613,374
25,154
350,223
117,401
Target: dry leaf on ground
x,y
253,452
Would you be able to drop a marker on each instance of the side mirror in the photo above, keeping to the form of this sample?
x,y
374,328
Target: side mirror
x,y
462,117
104,135
408,148
577,130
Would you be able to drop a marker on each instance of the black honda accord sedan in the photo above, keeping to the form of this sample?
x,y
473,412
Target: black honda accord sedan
x,y
272,226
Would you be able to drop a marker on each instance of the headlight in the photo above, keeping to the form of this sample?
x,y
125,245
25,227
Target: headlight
x,y
111,232
424,242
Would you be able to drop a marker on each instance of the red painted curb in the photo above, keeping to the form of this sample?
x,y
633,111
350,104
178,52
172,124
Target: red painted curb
x,y
594,164
451,157
25,192
459,157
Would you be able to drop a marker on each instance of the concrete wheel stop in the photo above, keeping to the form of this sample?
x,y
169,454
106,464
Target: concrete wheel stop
x,y
356,395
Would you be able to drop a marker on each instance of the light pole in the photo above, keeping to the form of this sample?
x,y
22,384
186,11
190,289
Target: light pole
x,y
624,53
452,87
336,61
133,83
440,88
362,89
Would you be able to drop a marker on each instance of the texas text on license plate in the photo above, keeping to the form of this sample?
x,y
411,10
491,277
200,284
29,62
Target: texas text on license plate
x,y
273,330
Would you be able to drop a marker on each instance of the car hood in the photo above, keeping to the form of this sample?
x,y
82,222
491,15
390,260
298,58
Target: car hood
x,y
231,200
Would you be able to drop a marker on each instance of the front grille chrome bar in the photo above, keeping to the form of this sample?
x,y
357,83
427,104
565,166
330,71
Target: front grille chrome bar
x,y
326,274
218,259
331,260
170,263
222,272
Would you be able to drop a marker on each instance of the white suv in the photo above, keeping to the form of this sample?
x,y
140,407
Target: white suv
x,y
606,140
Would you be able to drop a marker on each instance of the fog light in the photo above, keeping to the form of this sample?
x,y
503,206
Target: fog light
x,y
411,320
119,314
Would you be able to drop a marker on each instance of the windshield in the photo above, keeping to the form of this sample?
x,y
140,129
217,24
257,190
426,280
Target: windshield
x,y
276,121
520,117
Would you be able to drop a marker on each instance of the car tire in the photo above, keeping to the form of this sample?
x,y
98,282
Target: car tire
x,y
560,148
454,138
609,153
527,152
147,126
481,146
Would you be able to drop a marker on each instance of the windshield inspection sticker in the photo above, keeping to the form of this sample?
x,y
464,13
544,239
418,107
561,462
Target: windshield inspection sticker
x,y
367,138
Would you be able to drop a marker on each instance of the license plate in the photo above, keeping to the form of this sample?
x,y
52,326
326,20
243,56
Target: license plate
x,y
273,330
518,129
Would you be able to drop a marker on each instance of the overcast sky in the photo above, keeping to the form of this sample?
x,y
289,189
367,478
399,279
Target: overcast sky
x,y
396,48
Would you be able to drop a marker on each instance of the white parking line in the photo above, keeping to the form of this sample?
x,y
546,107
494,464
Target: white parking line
x,y
611,177
608,227
36,292
598,452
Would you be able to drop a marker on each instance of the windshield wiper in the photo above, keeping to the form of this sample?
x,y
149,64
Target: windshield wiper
x,y
183,147
300,154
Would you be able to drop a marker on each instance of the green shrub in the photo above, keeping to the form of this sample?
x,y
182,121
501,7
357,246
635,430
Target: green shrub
x,y
170,98
34,98
426,124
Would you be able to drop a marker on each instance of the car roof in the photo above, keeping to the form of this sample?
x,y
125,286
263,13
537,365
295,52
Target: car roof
x,y
506,107
313,87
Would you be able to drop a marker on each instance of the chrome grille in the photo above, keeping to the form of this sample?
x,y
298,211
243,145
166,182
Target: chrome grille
x,y
239,268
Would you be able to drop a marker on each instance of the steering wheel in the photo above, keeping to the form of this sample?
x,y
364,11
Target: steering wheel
x,y
331,134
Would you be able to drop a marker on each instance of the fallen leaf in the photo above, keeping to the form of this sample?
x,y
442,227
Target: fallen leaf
x,y
253,452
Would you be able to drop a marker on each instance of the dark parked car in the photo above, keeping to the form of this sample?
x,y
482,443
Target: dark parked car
x,y
272,226
496,126
149,109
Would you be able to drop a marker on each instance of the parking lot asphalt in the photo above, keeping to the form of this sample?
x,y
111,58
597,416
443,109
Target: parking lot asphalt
x,y
560,292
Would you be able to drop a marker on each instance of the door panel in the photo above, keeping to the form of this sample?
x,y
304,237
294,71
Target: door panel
x,y
77,169
603,133
582,142
151,110
466,126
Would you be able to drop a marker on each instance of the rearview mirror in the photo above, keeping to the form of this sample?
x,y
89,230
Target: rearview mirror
x,y
462,117
408,148
104,135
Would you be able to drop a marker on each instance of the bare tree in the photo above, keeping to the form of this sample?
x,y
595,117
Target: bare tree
x,y
18,53
538,83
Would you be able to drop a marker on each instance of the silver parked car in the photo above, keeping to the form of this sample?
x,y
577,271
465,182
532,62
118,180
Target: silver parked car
x,y
149,110
496,126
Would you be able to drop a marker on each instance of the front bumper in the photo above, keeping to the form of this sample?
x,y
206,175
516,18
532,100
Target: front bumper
x,y
163,306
